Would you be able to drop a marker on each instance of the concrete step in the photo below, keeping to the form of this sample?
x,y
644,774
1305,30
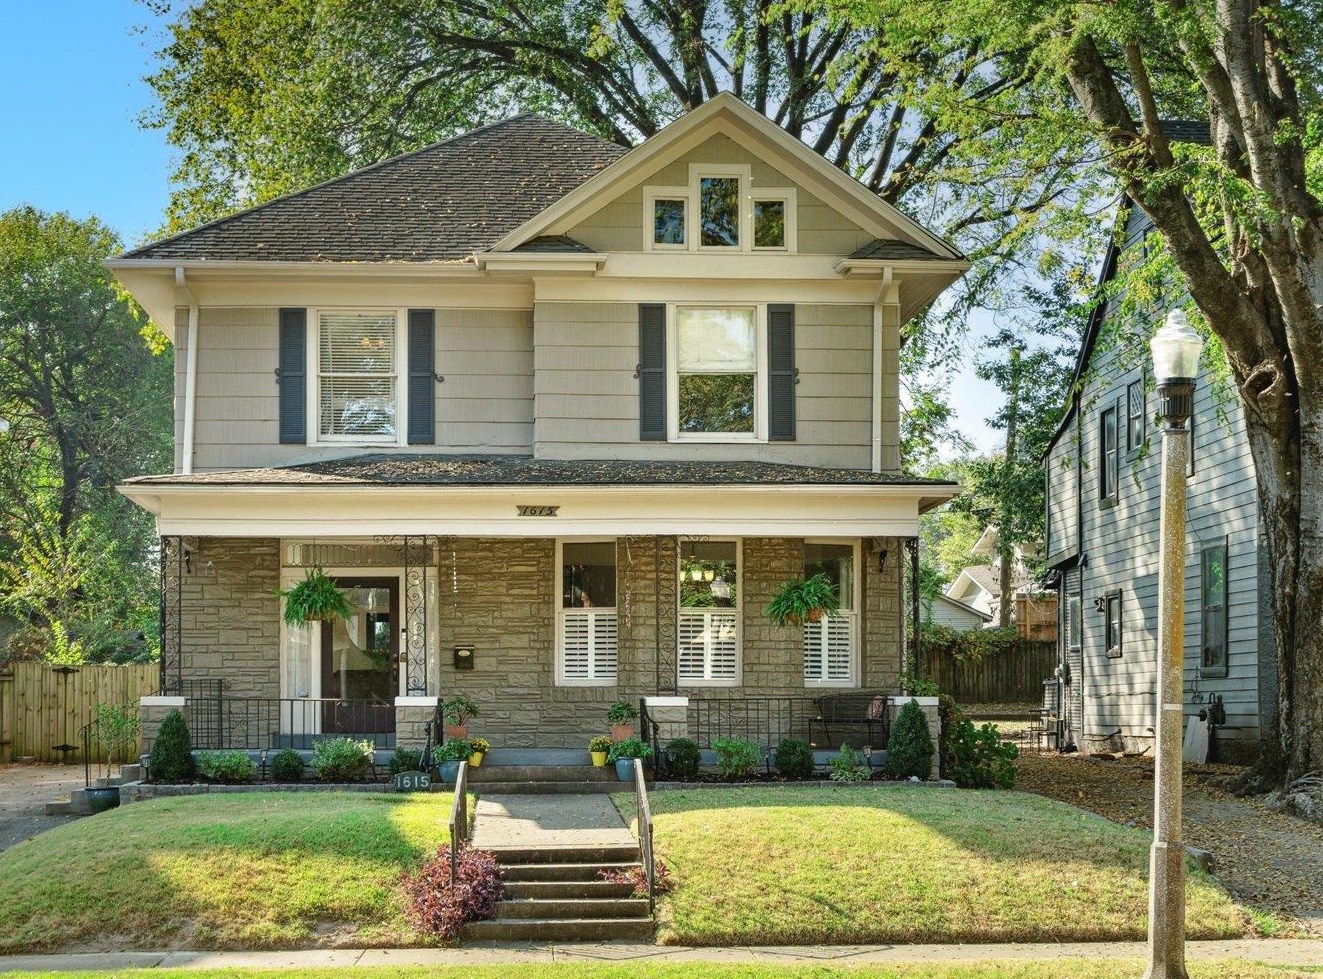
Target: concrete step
x,y
509,856
489,774
558,930
572,909
542,788
557,889
562,873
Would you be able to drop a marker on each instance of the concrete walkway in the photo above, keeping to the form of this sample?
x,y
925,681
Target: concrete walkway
x,y
548,821
1300,953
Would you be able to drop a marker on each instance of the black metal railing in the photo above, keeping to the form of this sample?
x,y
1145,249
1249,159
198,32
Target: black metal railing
x,y
826,721
255,724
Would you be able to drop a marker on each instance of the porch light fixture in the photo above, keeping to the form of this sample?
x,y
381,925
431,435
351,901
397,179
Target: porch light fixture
x,y
882,561
1176,349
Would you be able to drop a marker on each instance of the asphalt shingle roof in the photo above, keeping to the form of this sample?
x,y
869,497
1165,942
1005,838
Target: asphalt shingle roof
x,y
886,248
515,470
439,203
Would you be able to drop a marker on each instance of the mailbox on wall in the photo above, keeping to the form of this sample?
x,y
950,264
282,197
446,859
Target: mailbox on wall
x,y
463,657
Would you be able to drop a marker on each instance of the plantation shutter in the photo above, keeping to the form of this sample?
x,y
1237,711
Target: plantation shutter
x,y
652,372
422,376
292,377
589,644
781,372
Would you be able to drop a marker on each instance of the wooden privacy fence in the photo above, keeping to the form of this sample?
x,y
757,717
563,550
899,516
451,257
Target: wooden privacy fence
x,y
1011,676
43,707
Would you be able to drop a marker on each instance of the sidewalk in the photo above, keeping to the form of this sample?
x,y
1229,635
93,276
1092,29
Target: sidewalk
x,y
548,821
1267,951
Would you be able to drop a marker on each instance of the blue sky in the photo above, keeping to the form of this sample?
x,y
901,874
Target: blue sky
x,y
71,73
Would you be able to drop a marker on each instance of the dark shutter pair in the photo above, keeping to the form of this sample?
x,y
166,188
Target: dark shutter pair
x,y
780,372
293,376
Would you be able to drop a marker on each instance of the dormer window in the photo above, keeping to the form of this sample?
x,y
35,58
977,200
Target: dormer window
x,y
668,222
720,210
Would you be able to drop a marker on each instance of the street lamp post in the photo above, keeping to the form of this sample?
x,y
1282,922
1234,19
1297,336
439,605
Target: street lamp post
x,y
1176,349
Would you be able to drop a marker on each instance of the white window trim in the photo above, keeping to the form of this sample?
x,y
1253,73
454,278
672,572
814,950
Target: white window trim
x,y
314,375
558,585
855,599
738,609
787,196
650,197
759,433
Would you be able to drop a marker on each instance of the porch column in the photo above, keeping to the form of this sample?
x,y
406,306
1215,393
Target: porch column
x,y
419,575
916,620
174,561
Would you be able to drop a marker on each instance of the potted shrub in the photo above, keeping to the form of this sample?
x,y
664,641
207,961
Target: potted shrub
x,y
480,747
803,601
457,711
116,729
449,755
317,598
622,716
599,747
624,752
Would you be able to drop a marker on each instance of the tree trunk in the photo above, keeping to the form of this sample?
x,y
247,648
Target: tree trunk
x,y
1005,546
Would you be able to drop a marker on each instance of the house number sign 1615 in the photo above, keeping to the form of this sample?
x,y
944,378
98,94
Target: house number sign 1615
x,y
537,511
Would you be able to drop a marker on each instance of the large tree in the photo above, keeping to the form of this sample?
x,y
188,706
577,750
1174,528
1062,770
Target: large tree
x,y
1241,221
85,393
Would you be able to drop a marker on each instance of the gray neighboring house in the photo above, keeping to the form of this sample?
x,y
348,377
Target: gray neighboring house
x,y
1103,484
955,614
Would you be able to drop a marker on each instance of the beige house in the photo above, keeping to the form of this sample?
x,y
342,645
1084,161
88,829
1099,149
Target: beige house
x,y
561,417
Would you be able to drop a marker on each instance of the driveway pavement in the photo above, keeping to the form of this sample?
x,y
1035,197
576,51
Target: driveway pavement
x,y
24,792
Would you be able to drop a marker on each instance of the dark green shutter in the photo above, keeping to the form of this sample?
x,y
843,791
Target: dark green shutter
x,y
293,376
652,372
422,376
781,372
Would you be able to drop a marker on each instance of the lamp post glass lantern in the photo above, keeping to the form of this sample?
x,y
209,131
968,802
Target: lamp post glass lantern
x,y
1176,350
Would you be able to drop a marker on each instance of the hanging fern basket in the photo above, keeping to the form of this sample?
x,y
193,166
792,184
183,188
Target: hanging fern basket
x,y
317,598
803,601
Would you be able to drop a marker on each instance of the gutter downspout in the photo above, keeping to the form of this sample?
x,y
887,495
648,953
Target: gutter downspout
x,y
884,296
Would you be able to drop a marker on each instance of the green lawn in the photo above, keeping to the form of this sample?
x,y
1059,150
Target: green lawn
x,y
262,870
789,866
1057,969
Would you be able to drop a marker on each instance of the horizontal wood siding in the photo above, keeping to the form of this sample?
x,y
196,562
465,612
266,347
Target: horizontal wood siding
x,y
484,405
1063,495
586,395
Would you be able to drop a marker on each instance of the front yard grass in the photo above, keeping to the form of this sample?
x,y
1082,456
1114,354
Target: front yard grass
x,y
882,864
261,870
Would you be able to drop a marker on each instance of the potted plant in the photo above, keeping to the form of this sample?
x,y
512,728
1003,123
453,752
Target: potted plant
x,y
622,716
317,598
457,712
116,730
803,601
480,747
599,747
449,755
623,754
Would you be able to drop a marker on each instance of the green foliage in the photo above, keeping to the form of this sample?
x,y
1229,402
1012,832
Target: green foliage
x,y
970,646
910,748
917,686
405,760
171,759
480,746
116,728
801,600
317,598
454,749
849,766
980,759
736,757
286,765
622,712
683,758
342,760
459,710
948,713
226,767
794,758
600,742
630,748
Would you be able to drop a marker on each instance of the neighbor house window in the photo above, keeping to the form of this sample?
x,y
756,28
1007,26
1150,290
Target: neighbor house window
x,y
709,613
1134,400
357,376
830,644
719,212
1109,471
1213,611
586,619
668,221
1112,629
716,357
769,223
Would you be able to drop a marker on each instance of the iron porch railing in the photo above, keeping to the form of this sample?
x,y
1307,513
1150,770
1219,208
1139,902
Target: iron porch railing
x,y
256,724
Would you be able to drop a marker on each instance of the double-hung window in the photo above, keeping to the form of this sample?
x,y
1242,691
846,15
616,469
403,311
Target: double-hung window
x,y
586,630
1135,421
717,358
1112,634
1213,611
1109,471
709,613
358,370
831,643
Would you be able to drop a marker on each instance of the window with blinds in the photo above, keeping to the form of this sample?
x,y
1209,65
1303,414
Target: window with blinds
x,y
708,627
830,644
357,382
587,630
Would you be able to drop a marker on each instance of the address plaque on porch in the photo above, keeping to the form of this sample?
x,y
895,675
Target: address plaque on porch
x,y
537,511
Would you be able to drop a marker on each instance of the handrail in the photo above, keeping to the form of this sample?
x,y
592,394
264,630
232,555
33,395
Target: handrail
x,y
645,832
459,818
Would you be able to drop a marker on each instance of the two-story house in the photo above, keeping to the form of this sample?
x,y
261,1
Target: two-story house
x,y
560,416
1103,473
